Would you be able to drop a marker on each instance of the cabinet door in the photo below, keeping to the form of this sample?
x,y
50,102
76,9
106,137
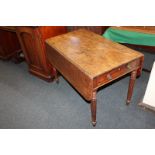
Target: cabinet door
x,y
27,39
9,43
33,51
32,39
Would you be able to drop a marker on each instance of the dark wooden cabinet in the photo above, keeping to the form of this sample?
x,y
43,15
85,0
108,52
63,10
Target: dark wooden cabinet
x,y
97,29
9,43
32,39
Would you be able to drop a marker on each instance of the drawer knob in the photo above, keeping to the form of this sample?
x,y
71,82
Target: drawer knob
x,y
129,66
109,77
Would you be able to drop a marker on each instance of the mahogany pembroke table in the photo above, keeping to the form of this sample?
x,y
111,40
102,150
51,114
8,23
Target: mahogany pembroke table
x,y
89,61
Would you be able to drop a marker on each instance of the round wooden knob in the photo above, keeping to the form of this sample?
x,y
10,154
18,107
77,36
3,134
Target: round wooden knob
x,y
109,77
129,66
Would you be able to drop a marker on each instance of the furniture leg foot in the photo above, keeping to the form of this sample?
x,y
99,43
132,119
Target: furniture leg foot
x,y
17,57
94,124
93,109
57,80
128,102
131,86
56,76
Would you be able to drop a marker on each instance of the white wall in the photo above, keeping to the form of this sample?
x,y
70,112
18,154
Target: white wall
x,y
149,97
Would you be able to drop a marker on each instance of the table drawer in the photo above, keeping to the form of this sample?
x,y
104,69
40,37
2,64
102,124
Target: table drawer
x,y
116,73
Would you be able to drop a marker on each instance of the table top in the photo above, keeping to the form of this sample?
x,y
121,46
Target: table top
x,y
92,53
141,29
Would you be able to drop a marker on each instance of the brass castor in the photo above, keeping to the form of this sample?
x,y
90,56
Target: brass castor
x,y
94,124
128,102
57,81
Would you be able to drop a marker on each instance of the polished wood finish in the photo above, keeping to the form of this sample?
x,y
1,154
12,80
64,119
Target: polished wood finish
x,y
72,73
88,51
93,106
32,41
89,61
150,49
9,43
131,86
97,29
141,29
8,28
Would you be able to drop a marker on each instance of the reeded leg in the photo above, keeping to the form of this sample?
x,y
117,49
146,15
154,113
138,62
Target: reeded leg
x,y
93,109
56,76
131,85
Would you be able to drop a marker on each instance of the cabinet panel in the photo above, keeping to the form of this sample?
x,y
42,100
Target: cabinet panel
x,y
9,44
97,29
32,39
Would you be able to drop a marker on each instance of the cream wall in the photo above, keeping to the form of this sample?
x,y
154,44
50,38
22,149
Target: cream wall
x,y
149,97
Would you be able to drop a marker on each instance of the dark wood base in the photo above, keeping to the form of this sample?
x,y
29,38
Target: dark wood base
x,y
32,39
9,43
15,57
8,57
43,76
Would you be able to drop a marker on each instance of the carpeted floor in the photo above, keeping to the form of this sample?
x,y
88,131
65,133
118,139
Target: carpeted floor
x,y
28,102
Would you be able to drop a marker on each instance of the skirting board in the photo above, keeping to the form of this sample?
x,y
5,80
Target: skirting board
x,y
147,107
149,97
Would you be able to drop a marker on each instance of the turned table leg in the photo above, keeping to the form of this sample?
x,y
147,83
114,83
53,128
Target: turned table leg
x,y
93,109
56,76
131,85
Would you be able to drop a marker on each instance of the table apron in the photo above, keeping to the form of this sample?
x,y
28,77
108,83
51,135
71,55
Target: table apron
x,y
116,73
81,82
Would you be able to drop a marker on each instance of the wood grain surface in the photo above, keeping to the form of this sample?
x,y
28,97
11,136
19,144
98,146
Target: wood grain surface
x,y
92,53
89,61
141,29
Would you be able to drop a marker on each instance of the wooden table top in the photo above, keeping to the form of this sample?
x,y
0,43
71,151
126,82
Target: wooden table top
x,y
92,53
141,29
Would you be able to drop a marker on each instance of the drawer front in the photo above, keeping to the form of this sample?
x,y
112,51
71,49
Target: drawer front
x,y
116,73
